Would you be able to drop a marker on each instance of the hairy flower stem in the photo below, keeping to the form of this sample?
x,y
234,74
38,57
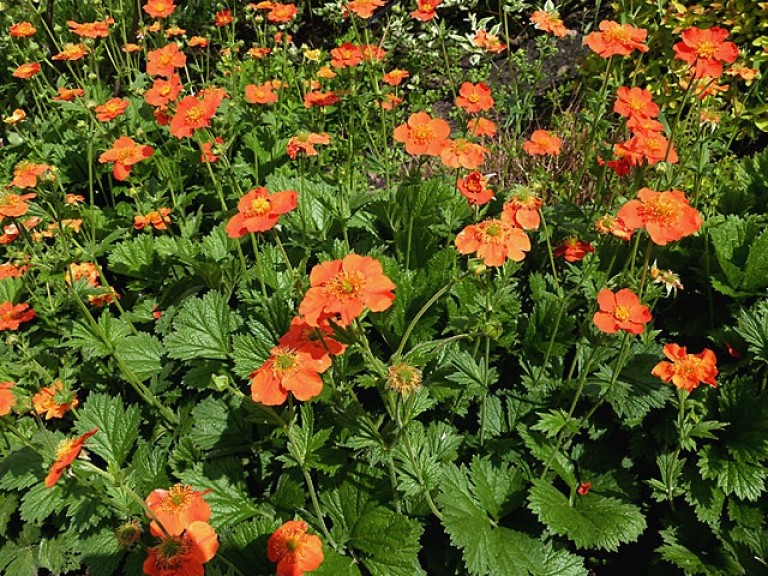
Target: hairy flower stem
x,y
550,252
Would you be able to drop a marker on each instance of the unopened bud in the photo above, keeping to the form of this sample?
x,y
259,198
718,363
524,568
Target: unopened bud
x,y
128,534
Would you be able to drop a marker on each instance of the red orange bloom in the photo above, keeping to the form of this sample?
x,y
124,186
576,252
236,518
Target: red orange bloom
x,y
666,216
522,210
68,94
193,113
25,174
481,127
125,153
342,289
489,42
613,225
288,370
322,99
474,97
197,42
317,341
282,13
111,109
259,211
425,10
158,219
646,146
707,50
66,454
176,508
621,311
549,22
260,94
10,270
159,8
494,241
616,39
183,555
294,550
364,8
208,155
346,55
542,143
223,18
26,71
573,249
395,77
423,135
7,399
165,60
473,188
687,371
163,92
305,142
16,117
635,103
22,30
54,401
91,29
461,153
14,205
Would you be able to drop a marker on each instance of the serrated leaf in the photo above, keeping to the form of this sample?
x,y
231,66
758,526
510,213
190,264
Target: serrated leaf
x,y
135,257
389,543
18,560
217,424
592,522
144,355
101,553
21,469
202,329
39,502
733,475
245,545
60,555
8,505
118,427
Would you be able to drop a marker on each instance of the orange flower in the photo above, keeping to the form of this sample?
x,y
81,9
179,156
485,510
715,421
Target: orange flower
x,y
158,219
288,370
68,94
635,103
473,188
651,147
666,216
174,31
258,53
130,48
644,126
91,29
549,22
208,155
294,550
317,341
613,225
364,8
183,555
372,52
326,73
193,113
342,289
9,234
481,127
461,153
390,101
14,205
163,92
346,55
260,94
706,50
25,174
7,399
744,72
522,210
18,116
542,143
10,270
259,211
125,153
86,271
66,454
474,97
395,77
26,71
73,199
111,109
488,42
282,13
165,60
620,166
223,18
687,371
22,30
494,241
197,42
176,508
322,99
54,401
159,8
620,311
425,10
305,142
423,135
573,249
616,39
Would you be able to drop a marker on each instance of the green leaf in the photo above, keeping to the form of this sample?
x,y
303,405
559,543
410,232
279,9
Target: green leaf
x,y
101,553
39,502
9,503
389,543
593,521
753,327
118,427
202,328
135,257
21,469
245,545
144,355
217,424
60,555
733,475
18,560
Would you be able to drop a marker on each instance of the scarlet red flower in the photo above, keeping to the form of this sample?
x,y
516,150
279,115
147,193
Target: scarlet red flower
x,y
666,216
488,42
14,205
260,94
620,166
11,317
342,289
282,13
158,219
395,77
687,371
68,94
621,311
176,508
346,55
193,113
573,249
159,8
125,153
317,341
7,399
494,241
111,109
549,22
423,135
542,143
165,60
163,92
294,550
635,103
616,39
259,211
305,142
461,153
364,8
26,71
223,18
474,97
481,127
288,370
183,555
707,50
473,188
22,30
54,401
66,454
425,10
91,29
522,210
651,147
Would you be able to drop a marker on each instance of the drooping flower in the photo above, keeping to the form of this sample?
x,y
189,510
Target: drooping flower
x,y
125,153
68,94
198,42
542,143
11,270
288,370
423,135
549,21
707,50
425,10
635,103
573,249
26,71
184,554
494,241
260,93
522,210
616,39
91,29
158,219
71,52
111,109
66,454
474,188
22,30
305,142
25,174
461,153
259,211
294,550
159,8
14,205
54,401
208,152
342,289
667,278
666,216
165,60
319,98
163,91
687,371
12,316
176,508
7,399
613,225
174,31
621,311
481,127
474,97
17,116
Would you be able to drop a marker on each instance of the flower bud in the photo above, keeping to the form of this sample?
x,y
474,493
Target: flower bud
x,y
404,378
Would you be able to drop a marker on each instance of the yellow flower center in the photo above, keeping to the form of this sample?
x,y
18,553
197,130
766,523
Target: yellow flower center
x,y
621,313
178,497
661,210
194,114
347,284
260,206
65,447
706,50
285,361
